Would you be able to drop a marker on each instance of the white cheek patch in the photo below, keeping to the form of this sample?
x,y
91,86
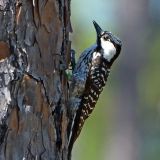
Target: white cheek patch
x,y
109,50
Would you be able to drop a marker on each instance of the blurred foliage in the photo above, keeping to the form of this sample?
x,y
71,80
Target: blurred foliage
x,y
149,76
148,85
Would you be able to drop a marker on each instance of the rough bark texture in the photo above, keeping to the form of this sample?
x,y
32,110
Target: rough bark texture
x,y
34,54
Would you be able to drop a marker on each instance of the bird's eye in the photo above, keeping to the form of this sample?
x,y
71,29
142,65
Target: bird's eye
x,y
106,38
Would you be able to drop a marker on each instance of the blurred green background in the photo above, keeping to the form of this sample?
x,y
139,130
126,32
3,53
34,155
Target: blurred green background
x,y
125,124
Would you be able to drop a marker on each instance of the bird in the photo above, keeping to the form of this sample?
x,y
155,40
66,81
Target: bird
x,y
89,77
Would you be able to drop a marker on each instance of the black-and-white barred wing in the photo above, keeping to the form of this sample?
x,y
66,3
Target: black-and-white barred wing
x,y
78,85
80,73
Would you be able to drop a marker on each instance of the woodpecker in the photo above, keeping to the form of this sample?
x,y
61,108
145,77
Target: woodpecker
x,y
90,76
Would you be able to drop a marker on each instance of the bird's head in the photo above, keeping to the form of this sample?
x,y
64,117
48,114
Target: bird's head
x,y
108,44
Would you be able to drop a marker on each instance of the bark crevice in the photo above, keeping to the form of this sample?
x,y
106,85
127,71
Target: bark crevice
x,y
33,83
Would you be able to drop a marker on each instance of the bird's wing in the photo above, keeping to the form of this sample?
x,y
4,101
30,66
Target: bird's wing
x,y
80,73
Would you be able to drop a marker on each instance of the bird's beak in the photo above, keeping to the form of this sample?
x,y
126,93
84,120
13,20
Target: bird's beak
x,y
98,29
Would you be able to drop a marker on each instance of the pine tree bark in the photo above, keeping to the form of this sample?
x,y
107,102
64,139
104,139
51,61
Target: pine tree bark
x,y
34,54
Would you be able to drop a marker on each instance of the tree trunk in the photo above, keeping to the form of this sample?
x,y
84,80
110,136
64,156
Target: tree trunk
x,y
34,54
